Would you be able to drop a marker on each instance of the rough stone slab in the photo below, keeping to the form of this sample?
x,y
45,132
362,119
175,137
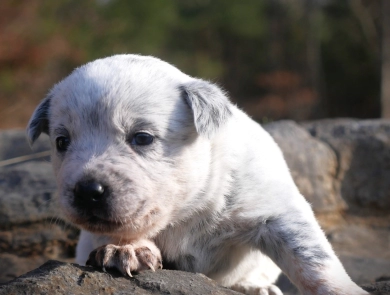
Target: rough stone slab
x,y
379,288
56,277
363,151
312,163
64,278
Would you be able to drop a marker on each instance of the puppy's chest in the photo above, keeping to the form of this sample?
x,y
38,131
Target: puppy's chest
x,y
196,248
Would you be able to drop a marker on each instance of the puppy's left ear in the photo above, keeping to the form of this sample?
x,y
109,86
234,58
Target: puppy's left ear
x,y
39,121
210,106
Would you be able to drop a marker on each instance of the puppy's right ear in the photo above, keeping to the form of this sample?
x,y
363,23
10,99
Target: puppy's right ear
x,y
39,121
210,106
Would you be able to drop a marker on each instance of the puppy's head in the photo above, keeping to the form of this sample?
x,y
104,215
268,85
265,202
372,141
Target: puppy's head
x,y
131,142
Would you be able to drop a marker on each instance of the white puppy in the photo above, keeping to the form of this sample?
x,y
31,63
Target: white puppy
x,y
148,159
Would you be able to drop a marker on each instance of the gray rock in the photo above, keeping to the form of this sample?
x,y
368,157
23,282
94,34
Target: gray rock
x,y
13,143
17,265
312,163
56,277
27,193
379,288
363,249
63,278
356,240
31,228
363,152
363,270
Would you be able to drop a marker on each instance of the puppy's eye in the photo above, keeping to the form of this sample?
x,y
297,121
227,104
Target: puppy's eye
x,y
62,143
142,138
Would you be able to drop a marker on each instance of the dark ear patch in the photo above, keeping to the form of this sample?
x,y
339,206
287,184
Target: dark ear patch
x,y
39,121
210,106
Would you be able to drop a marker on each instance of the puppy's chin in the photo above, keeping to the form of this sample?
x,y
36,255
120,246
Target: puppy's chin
x,y
102,226
129,228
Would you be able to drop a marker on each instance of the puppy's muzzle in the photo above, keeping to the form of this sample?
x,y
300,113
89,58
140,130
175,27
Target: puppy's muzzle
x,y
94,206
89,194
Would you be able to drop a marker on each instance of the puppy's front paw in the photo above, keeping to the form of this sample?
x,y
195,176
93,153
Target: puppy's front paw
x,y
128,258
256,290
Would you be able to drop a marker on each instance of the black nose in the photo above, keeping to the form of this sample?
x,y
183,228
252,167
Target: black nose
x,y
89,192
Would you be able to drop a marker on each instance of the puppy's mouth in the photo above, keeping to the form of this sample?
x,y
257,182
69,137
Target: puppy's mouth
x,y
99,221
96,223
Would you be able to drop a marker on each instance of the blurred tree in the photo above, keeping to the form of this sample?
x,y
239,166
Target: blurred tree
x,y
297,59
385,86
351,62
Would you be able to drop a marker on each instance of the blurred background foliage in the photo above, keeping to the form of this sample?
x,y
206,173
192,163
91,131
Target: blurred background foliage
x,y
278,59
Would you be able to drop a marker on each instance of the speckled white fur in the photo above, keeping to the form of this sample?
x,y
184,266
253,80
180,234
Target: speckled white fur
x,y
212,191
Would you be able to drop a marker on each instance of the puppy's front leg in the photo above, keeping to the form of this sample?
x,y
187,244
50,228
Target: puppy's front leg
x,y
128,257
299,247
105,252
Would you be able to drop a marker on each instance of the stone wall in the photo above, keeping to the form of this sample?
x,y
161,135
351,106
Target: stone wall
x,y
31,228
341,166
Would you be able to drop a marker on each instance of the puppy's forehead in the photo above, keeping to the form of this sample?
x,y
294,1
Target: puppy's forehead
x,y
117,88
